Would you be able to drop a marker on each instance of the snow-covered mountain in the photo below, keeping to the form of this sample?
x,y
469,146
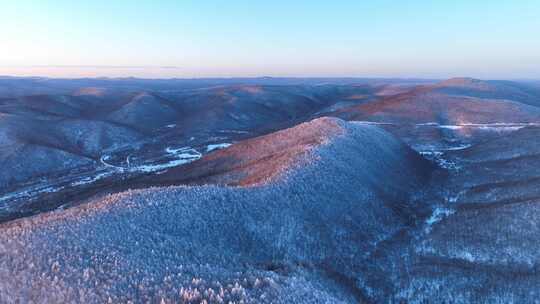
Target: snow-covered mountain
x,y
269,190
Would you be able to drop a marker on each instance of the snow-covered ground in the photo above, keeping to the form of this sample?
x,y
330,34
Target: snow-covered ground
x,y
343,226
297,239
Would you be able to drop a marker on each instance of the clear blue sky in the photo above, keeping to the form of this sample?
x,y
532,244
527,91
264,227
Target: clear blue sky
x,y
199,38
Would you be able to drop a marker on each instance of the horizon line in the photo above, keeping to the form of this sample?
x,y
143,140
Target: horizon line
x,y
3,76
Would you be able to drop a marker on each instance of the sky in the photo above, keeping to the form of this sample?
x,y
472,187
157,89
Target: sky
x,y
494,39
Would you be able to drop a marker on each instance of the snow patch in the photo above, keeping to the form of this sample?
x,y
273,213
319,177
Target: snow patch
x,y
501,129
438,215
103,159
365,122
234,131
466,256
183,156
210,148
174,151
29,193
159,167
91,179
460,147
450,127
498,127
438,158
